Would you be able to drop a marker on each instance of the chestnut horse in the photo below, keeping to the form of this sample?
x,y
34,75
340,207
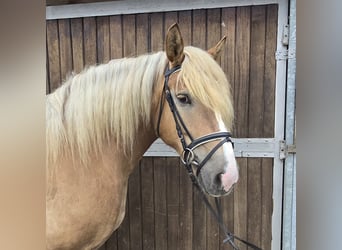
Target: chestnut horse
x,y
100,122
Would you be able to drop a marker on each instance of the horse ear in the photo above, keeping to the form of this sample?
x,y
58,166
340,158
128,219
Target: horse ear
x,y
215,51
174,45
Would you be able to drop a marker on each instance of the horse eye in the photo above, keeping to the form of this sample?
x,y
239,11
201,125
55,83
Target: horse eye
x,y
184,99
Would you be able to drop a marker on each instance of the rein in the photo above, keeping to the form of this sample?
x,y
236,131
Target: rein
x,y
188,156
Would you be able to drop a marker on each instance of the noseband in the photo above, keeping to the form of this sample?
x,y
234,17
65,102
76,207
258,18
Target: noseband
x,y
188,156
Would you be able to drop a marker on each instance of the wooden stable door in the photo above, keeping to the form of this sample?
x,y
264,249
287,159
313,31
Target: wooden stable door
x,y
163,210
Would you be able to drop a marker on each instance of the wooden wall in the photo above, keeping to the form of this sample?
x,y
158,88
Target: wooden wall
x,y
163,210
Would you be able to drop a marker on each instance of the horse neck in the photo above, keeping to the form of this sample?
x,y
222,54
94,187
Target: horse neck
x,y
144,139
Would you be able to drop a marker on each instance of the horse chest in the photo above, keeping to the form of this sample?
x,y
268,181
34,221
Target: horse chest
x,y
85,208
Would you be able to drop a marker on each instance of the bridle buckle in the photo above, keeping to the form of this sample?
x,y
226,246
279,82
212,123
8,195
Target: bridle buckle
x,y
188,156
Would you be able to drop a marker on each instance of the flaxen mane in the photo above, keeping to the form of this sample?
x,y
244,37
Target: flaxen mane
x,y
111,100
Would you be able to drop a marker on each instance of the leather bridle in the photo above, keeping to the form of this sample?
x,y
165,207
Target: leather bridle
x,y
188,156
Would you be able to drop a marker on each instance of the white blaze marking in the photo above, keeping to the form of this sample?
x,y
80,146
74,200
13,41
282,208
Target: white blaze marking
x,y
231,174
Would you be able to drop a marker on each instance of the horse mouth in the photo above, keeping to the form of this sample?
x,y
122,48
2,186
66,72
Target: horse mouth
x,y
213,188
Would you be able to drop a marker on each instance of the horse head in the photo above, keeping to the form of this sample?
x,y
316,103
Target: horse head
x,y
195,113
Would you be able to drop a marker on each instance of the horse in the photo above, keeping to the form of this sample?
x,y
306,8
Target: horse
x,y
100,122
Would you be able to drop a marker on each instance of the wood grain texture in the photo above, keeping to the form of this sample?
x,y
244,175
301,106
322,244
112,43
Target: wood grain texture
x,y
77,44
173,189
255,128
160,206
147,198
142,36
268,125
185,19
123,232
270,70
240,203
157,32
242,53
116,43
112,242
103,41
89,29
134,199
65,48
52,45
267,203
128,34
228,27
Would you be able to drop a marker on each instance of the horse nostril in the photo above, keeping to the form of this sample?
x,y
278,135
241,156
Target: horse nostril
x,y
218,179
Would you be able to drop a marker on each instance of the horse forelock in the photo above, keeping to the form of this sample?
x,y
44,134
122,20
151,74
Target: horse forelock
x,y
207,82
101,103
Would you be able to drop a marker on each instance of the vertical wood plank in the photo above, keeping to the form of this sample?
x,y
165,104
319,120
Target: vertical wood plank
x,y
267,203
227,62
147,190
135,209
112,242
115,29
270,70
268,126
240,203
213,36
199,29
242,52
172,187
186,188
255,129
228,28
157,32
184,19
142,33
65,48
103,42
257,62
160,208
89,29
254,201
128,26
77,44
199,221
123,232
185,210
169,19
53,54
